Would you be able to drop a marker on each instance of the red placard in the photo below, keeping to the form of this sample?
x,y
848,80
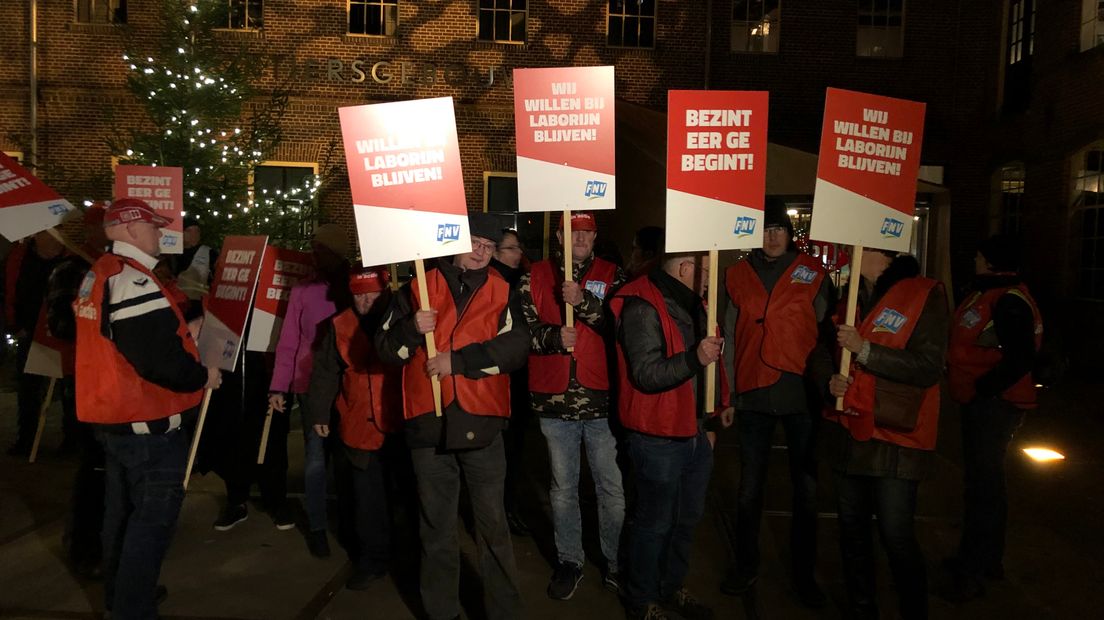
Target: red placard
x,y
280,270
162,187
230,300
49,356
27,205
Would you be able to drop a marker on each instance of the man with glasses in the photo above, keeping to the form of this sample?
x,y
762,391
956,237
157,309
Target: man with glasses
x,y
777,324
480,337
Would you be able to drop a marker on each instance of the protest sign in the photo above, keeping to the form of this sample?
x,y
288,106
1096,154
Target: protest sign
x,y
48,356
407,185
866,174
231,300
27,205
281,269
716,169
564,121
162,188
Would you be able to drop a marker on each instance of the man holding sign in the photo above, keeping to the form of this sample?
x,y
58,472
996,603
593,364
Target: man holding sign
x,y
138,374
481,337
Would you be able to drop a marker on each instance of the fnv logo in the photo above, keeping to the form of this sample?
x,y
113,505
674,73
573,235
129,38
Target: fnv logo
x,y
803,275
595,189
168,241
58,209
893,228
447,233
890,321
744,226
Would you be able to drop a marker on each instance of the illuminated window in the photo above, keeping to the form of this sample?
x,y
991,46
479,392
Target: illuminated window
x,y
1089,195
1092,24
881,29
1012,191
1021,30
756,25
631,23
101,11
245,14
379,17
502,20
285,186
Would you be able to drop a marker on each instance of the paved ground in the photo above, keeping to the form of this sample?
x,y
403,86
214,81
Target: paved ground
x,y
1054,561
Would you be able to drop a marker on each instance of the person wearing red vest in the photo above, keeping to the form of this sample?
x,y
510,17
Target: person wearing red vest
x,y
778,333
350,378
883,442
570,393
481,337
995,336
139,377
662,353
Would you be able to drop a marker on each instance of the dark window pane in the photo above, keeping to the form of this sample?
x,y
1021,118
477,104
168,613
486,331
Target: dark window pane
x,y
741,10
502,4
519,5
486,4
647,7
632,25
375,21
647,32
356,18
1093,159
517,22
502,26
486,25
615,28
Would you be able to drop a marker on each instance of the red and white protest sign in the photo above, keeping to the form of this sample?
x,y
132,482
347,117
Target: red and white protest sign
x,y
49,356
162,187
406,181
230,300
281,269
564,120
866,175
716,169
27,205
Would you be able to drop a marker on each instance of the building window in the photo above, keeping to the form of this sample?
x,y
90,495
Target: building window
x,y
1021,30
1092,24
1011,205
502,20
379,17
101,11
286,187
245,14
881,31
1089,186
631,23
756,25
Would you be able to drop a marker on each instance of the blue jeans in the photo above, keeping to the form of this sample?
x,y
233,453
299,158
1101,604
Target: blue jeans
x,y
144,492
672,476
893,501
756,432
564,437
314,471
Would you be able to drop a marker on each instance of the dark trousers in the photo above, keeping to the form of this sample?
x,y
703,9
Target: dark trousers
x,y
987,429
365,516
514,436
484,471
756,432
144,493
672,476
85,527
30,391
893,501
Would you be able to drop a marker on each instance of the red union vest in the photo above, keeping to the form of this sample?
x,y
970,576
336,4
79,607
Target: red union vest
x,y
671,413
973,350
774,332
891,324
549,373
109,390
477,322
369,401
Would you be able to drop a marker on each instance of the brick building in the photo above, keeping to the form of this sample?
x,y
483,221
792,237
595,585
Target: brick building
x,y
1013,140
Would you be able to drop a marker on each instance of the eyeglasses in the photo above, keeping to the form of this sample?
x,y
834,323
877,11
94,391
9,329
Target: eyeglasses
x,y
485,246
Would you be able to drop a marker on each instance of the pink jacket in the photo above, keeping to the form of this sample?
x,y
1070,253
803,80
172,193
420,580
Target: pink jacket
x,y
308,307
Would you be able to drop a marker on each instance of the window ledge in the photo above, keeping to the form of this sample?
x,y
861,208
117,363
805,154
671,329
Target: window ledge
x,y
371,40
96,28
483,44
239,33
631,51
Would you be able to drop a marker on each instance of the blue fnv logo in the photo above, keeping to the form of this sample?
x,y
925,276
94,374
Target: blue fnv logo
x,y
890,321
597,287
892,228
448,232
744,226
803,275
168,242
58,209
595,189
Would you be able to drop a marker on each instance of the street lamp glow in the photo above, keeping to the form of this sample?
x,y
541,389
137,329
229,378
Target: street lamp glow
x,y
791,212
1043,455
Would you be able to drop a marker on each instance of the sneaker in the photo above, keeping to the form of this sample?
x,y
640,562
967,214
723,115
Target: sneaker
x,y
612,581
809,594
688,606
565,579
651,611
738,585
231,516
361,580
284,518
319,544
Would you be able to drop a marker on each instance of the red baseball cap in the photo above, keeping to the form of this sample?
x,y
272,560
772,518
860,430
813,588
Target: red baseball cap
x,y
581,220
369,280
129,210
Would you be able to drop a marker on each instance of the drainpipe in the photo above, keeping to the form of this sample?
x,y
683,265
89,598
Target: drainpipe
x,y
708,41
31,157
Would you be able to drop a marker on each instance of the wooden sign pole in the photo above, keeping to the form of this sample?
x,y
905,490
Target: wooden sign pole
x,y
711,329
264,437
42,419
431,344
569,316
198,433
852,307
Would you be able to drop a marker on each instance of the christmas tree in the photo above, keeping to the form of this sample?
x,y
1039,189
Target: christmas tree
x,y
208,115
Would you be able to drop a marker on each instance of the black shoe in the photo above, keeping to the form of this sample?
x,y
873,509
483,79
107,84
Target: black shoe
x,y
612,582
809,594
688,606
738,585
565,579
651,611
284,518
319,544
361,580
160,593
230,516
518,527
